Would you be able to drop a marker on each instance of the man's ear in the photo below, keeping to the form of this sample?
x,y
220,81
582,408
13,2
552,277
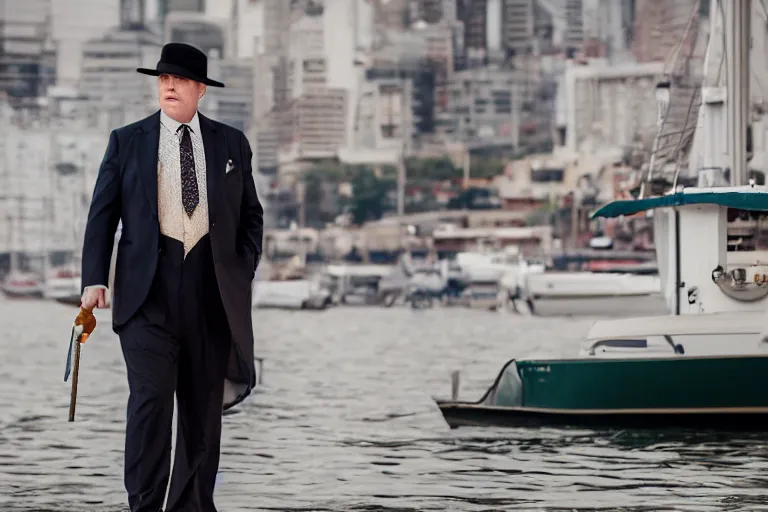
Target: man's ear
x,y
203,90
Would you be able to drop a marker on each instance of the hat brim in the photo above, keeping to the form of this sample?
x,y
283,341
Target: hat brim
x,y
170,69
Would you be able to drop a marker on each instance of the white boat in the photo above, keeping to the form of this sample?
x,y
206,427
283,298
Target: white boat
x,y
706,364
62,284
290,294
20,284
285,286
494,277
577,285
590,293
354,283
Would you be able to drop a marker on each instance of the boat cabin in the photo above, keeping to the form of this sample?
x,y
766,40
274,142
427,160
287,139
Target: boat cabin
x,y
700,271
353,283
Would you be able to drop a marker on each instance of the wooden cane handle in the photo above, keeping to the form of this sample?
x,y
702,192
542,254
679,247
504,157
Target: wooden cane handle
x,y
86,319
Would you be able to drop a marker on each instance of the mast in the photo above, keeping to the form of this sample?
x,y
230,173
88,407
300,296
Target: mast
x,y
737,39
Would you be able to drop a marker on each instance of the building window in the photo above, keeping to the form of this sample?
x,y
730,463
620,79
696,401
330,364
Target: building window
x,y
547,175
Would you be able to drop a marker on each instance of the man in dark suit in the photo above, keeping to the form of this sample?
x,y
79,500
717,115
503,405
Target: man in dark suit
x,y
191,239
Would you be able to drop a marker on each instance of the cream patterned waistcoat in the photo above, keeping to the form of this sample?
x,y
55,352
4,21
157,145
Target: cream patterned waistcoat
x,y
174,222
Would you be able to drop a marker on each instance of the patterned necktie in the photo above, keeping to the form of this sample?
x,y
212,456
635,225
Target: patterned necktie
x,y
189,192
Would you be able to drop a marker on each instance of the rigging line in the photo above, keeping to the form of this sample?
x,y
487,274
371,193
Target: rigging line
x,y
680,140
722,53
676,52
652,160
765,21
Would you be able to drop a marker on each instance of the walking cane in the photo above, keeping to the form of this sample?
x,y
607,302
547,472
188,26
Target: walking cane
x,y
82,328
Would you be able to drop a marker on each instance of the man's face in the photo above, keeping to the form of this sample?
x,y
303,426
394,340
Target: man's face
x,y
179,96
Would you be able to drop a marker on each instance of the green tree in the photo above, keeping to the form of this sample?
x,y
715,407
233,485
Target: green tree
x,y
313,195
431,169
486,166
369,196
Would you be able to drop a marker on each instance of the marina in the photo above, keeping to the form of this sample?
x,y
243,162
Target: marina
x,y
528,277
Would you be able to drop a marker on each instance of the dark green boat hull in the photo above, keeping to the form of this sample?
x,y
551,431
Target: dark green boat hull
x,y
702,392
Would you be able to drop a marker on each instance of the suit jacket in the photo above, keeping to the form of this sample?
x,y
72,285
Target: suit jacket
x,y
126,190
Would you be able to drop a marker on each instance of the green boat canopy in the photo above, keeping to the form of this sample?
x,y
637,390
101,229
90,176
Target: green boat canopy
x,y
738,200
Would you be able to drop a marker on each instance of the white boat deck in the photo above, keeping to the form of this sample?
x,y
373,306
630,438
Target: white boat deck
x,y
725,334
747,322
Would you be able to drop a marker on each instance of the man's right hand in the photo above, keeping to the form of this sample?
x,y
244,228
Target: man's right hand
x,y
94,298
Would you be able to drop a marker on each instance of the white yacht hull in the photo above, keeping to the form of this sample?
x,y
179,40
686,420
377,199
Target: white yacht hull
x,y
577,285
22,285
294,294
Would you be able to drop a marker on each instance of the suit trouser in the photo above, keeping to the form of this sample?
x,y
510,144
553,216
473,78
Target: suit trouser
x,y
178,342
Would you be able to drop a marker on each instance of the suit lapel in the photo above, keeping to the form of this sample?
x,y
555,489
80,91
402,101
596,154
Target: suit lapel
x,y
214,166
148,158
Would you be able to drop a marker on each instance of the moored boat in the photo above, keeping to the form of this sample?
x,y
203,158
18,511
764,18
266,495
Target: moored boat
x,y
703,365
592,293
63,286
22,285
705,371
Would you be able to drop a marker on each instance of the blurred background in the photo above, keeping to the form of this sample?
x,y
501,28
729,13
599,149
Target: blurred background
x,y
502,120
428,169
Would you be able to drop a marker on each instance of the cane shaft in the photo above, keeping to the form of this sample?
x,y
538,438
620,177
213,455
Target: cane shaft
x,y
75,373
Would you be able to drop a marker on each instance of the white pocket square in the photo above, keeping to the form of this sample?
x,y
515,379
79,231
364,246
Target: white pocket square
x,y
230,166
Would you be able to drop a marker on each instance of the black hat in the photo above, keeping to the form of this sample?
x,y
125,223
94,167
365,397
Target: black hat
x,y
182,60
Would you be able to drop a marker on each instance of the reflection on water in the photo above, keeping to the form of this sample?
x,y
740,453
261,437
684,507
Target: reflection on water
x,y
345,421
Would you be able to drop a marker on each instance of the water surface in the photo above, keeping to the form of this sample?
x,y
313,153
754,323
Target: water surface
x,y
345,422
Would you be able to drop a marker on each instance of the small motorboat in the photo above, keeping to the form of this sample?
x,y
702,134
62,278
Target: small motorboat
x,y
702,371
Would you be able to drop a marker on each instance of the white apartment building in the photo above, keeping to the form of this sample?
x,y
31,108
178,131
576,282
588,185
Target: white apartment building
x,y
109,78
246,26
485,106
75,22
211,35
321,80
608,106
232,105
27,56
47,173
384,118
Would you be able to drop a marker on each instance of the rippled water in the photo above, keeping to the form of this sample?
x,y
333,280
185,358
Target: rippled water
x,y
345,422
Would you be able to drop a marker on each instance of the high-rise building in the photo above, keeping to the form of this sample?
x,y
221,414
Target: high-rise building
x,y
73,23
109,77
429,11
574,23
27,53
233,105
390,15
165,7
320,80
421,88
473,14
133,14
517,26
199,30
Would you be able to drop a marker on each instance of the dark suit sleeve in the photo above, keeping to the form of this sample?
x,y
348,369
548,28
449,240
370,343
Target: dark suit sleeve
x,y
251,211
103,217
